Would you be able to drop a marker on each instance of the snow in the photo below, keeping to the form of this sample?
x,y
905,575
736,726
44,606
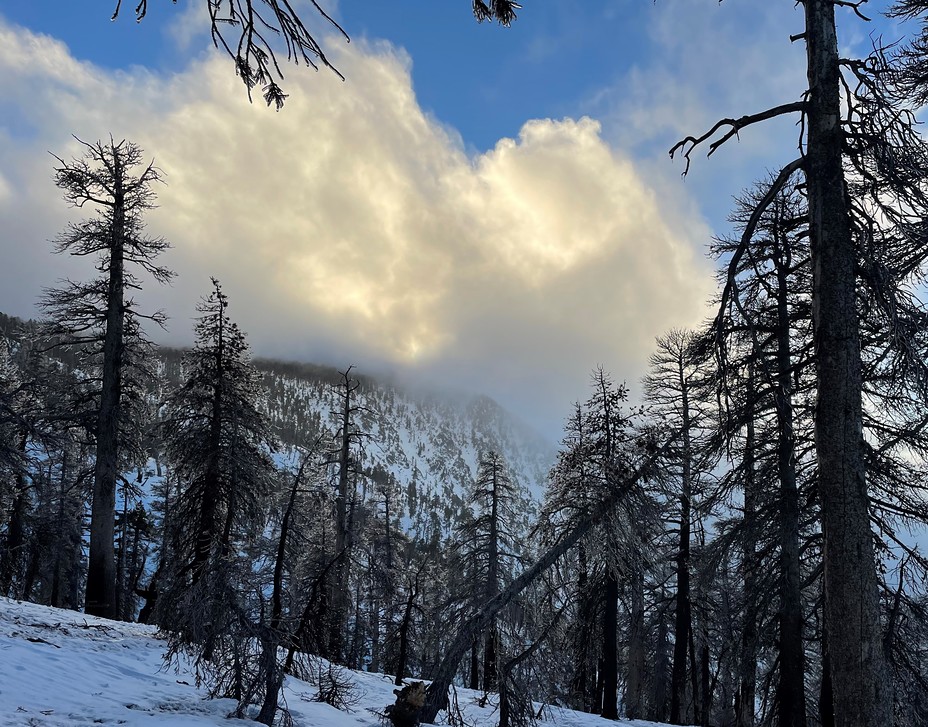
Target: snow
x,y
61,668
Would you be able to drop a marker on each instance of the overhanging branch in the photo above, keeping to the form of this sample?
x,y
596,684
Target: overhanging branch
x,y
733,126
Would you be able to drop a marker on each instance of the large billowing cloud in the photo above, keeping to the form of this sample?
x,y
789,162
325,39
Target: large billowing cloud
x,y
354,227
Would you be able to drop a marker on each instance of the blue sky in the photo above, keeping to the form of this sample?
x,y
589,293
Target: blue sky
x,y
485,80
483,205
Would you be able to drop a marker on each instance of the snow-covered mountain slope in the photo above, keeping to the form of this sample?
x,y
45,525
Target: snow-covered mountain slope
x,y
64,669
422,443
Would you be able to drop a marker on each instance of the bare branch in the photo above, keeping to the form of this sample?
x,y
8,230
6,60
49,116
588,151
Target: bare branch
x,y
733,126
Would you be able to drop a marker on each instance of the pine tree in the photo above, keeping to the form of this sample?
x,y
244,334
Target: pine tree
x,y
599,450
100,317
217,444
674,391
486,548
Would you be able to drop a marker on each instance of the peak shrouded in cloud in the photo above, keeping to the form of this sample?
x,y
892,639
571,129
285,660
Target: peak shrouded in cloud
x,y
354,226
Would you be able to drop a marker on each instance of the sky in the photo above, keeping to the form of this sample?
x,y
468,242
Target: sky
x,y
491,209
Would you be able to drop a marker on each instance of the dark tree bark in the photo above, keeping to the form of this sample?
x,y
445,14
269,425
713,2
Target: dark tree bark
x,y
636,673
747,660
473,680
15,540
683,613
273,636
610,657
100,598
862,692
582,668
339,604
405,627
791,693
444,674
658,709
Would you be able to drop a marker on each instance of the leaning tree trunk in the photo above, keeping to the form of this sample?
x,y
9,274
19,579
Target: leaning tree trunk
x,y
862,692
100,598
444,674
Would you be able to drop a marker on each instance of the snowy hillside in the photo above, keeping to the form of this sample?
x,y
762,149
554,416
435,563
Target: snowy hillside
x,y
61,668
422,443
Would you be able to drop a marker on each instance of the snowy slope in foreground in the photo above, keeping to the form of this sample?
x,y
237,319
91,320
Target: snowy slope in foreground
x,y
63,669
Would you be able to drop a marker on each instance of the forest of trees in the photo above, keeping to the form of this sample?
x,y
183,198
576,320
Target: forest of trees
x,y
739,548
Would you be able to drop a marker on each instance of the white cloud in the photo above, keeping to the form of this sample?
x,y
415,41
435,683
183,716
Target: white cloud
x,y
705,61
353,227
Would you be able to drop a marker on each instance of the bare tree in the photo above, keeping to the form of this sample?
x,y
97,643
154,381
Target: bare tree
x,y
101,317
258,34
857,139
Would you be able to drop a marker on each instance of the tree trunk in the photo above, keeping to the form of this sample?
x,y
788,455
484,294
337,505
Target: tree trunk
x,y
473,681
747,661
489,660
862,692
657,711
373,620
100,597
610,671
405,625
634,691
580,685
791,693
683,616
339,607
826,699
490,641
705,679
15,541
272,636
121,591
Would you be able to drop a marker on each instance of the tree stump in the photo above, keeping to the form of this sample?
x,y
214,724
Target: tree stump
x,y
408,706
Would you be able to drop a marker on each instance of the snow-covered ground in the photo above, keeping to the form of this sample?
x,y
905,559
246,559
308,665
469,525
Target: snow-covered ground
x,y
62,668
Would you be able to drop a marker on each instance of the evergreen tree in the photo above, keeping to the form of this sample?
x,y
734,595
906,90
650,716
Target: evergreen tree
x,y
217,444
598,452
675,393
486,546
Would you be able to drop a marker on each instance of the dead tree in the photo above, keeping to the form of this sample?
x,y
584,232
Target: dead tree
x,y
862,692
100,316
620,489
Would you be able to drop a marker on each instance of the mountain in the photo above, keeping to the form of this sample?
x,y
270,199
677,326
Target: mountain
x,y
420,444
423,444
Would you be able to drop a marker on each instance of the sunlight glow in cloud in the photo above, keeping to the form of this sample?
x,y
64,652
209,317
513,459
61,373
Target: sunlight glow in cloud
x,y
353,225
